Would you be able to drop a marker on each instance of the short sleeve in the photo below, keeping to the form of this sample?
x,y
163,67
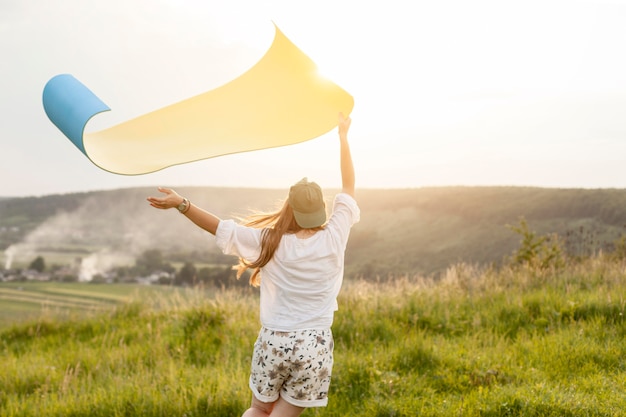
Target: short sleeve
x,y
345,214
346,209
235,239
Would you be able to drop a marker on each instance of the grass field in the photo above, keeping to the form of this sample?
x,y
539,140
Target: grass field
x,y
507,342
24,301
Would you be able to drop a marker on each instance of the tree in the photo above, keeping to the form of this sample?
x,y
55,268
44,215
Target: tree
x,y
220,276
151,261
38,264
187,274
541,252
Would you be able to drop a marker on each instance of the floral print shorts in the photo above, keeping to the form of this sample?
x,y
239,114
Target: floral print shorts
x,y
295,365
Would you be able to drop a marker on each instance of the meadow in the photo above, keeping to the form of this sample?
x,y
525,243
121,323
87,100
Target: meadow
x,y
512,341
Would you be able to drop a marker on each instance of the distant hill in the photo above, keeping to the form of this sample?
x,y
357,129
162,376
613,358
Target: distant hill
x,y
402,231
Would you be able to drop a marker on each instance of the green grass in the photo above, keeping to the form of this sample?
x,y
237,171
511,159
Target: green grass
x,y
509,342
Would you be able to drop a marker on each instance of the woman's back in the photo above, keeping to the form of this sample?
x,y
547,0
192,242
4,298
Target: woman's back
x,y
300,284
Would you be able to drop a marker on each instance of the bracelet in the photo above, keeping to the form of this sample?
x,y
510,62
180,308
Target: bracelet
x,y
184,206
188,206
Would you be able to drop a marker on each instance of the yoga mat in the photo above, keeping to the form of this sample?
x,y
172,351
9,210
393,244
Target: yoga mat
x,y
282,100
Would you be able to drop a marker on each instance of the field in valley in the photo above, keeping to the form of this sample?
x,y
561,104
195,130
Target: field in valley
x,y
23,301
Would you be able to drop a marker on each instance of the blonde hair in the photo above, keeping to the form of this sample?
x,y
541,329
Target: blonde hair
x,y
274,225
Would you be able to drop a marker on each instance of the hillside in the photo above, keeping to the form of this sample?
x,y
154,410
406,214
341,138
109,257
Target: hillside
x,y
402,231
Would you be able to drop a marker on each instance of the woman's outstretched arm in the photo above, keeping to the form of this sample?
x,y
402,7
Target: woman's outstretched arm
x,y
200,217
347,167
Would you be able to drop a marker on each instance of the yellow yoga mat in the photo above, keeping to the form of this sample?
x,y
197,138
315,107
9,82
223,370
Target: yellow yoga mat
x,y
281,100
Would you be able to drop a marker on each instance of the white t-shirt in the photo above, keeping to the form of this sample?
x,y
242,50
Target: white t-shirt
x,y
300,284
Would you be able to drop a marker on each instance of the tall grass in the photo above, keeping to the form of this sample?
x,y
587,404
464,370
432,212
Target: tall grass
x,y
476,342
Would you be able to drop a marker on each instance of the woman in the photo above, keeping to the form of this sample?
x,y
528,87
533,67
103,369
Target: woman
x,y
297,259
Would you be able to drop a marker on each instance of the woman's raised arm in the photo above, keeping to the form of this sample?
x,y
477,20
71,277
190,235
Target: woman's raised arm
x,y
347,167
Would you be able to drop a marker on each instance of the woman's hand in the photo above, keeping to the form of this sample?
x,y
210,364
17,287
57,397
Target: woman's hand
x,y
200,217
344,125
171,199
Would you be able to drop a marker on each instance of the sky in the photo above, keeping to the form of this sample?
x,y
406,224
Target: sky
x,y
447,92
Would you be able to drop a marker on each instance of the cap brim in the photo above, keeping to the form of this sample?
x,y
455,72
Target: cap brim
x,y
310,220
